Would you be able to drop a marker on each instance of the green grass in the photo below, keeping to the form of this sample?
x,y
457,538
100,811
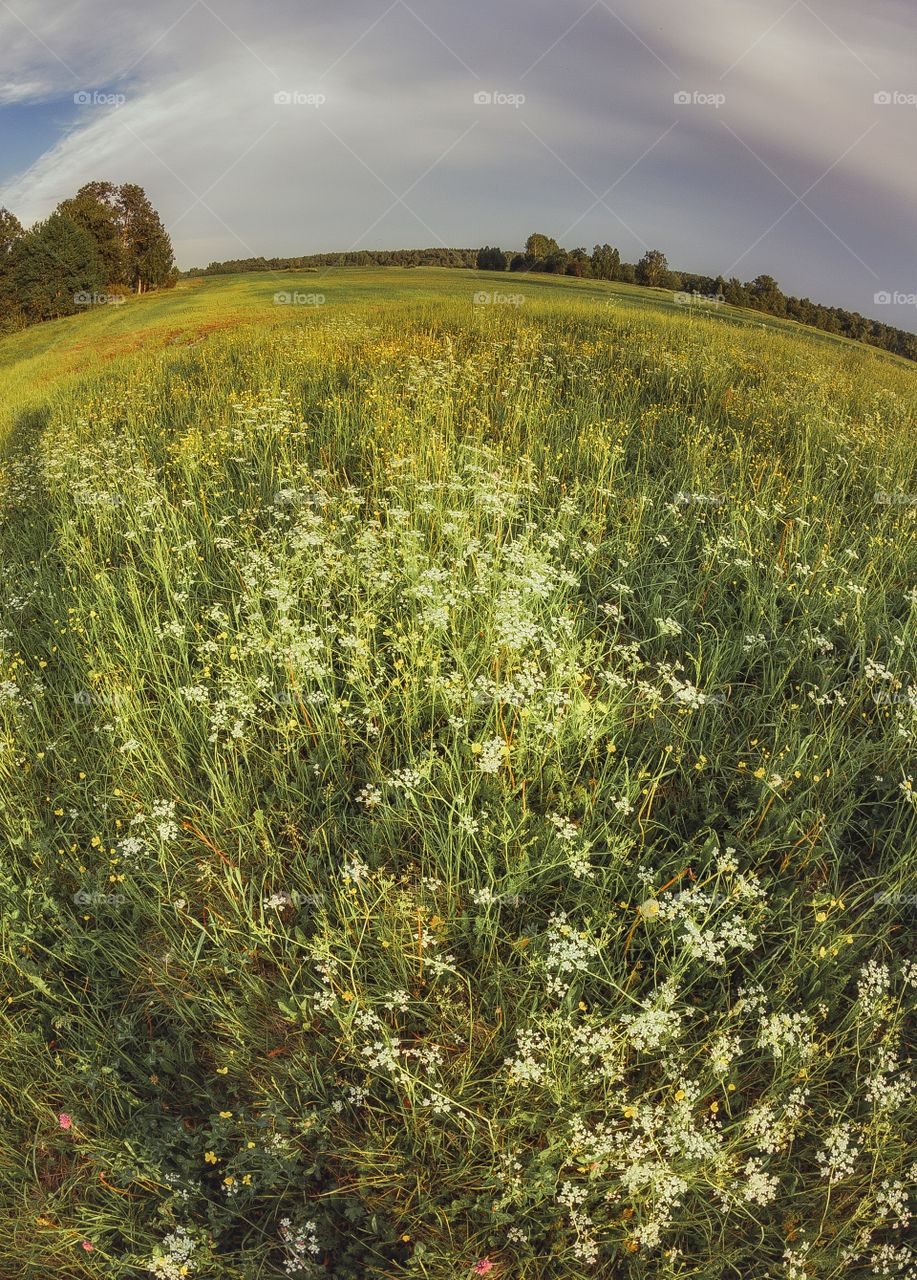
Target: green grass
x,y
456,777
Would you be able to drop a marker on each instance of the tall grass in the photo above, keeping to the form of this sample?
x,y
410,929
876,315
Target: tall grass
x,y
456,771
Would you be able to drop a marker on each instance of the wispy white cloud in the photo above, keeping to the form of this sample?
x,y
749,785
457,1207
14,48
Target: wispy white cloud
x,y
199,119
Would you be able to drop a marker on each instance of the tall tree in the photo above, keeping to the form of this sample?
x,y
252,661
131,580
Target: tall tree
x,y
606,262
540,248
148,253
95,208
491,259
652,268
10,231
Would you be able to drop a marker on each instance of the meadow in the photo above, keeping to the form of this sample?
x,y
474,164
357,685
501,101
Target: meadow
x,y
457,788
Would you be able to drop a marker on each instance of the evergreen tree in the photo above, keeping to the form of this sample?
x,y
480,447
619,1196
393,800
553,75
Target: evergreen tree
x,y
148,254
51,266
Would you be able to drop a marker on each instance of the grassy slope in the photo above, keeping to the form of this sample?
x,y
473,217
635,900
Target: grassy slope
x,y
35,363
363,669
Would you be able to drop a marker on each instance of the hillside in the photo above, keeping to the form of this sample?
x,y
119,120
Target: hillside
x,y
457,777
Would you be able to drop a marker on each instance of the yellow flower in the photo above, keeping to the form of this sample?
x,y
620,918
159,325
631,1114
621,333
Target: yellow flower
x,y
222,1071
821,917
679,1094
714,1107
228,1182
225,1115
629,1112
210,1157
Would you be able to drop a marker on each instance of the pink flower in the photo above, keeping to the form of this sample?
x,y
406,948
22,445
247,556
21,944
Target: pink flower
x,y
482,1266
64,1120
87,1246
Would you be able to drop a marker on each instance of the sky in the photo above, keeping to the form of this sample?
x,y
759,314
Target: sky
x,y
742,137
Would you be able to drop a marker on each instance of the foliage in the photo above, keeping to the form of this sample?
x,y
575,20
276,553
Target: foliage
x,y
455,777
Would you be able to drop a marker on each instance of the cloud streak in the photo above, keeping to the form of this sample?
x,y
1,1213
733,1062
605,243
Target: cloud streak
x,y
234,173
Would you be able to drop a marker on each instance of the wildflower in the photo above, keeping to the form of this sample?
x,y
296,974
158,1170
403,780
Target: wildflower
x,y
210,1157
64,1120
482,1267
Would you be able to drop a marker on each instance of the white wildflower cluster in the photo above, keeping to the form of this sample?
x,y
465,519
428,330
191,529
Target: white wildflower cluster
x,y
657,1022
573,1198
569,952
528,1066
300,1245
894,1260
577,849
759,1187
173,1259
491,754
662,1191
668,626
873,988
888,1086
786,1033
710,926
839,1152
893,1204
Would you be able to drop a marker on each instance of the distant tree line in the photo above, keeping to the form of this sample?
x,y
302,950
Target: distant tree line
x,y
355,258
542,254
100,244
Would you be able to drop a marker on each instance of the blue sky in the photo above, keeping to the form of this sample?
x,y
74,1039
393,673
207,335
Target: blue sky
x,y
742,137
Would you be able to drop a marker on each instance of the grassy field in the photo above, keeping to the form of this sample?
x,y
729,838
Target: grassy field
x,y
457,784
